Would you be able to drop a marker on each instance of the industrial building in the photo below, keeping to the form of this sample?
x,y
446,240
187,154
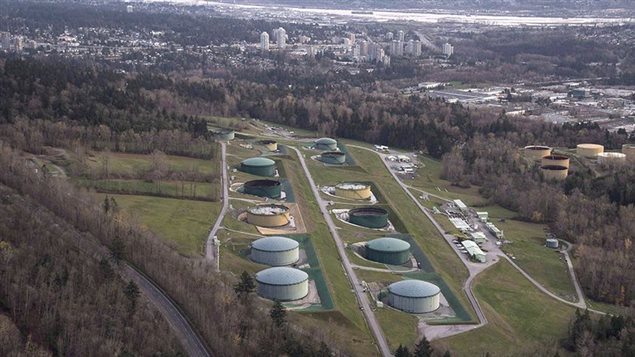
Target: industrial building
x,y
414,296
282,283
460,224
461,206
554,172
333,157
478,237
611,158
474,251
369,217
263,188
271,215
536,152
275,251
259,166
270,145
483,216
224,135
326,144
552,243
353,190
388,251
555,160
589,150
494,230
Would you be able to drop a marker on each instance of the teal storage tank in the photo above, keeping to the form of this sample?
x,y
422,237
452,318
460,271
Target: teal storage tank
x,y
260,166
327,144
388,251
333,157
369,217
263,188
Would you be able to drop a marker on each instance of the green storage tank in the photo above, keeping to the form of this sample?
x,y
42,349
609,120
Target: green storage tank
x,y
260,166
326,144
369,217
388,251
263,188
224,135
333,157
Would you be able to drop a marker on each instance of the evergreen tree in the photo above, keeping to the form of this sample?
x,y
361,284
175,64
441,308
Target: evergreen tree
x,y
423,348
245,286
278,314
402,351
132,293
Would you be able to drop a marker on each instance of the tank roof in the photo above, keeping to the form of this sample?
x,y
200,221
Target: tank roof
x,y
590,146
388,244
612,154
537,147
554,167
268,210
555,157
368,211
258,161
332,153
326,141
352,186
275,244
414,288
281,276
262,183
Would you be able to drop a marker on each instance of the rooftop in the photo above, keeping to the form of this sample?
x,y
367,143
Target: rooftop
x,y
388,244
258,161
281,276
275,244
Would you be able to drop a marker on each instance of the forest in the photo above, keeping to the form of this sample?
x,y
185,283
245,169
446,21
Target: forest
x,y
595,213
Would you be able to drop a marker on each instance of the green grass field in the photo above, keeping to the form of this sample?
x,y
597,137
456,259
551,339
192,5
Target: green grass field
x,y
182,223
173,189
522,320
133,164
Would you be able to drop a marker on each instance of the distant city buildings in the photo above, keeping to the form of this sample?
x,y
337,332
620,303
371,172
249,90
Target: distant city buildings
x,y
402,36
390,36
280,36
129,9
12,43
448,50
264,41
396,48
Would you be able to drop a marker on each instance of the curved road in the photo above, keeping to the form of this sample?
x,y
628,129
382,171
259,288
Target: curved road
x,y
362,298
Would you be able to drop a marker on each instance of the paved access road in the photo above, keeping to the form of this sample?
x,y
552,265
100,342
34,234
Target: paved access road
x,y
362,298
211,253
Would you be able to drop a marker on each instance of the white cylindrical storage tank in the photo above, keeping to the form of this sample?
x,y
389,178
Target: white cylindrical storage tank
x,y
282,283
414,296
275,251
611,158
589,150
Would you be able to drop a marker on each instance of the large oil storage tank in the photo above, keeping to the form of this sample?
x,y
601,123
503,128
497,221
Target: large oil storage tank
x,y
611,158
282,283
589,150
536,152
353,190
554,172
224,134
388,251
555,160
629,151
270,145
414,296
370,217
271,215
333,157
275,251
260,166
327,144
263,188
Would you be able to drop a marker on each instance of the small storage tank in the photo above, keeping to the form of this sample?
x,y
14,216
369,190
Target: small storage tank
x,y
224,135
275,251
555,160
554,172
536,152
282,283
327,144
369,217
552,243
611,158
333,157
259,166
589,150
353,190
263,188
388,251
271,215
414,296
629,151
270,145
